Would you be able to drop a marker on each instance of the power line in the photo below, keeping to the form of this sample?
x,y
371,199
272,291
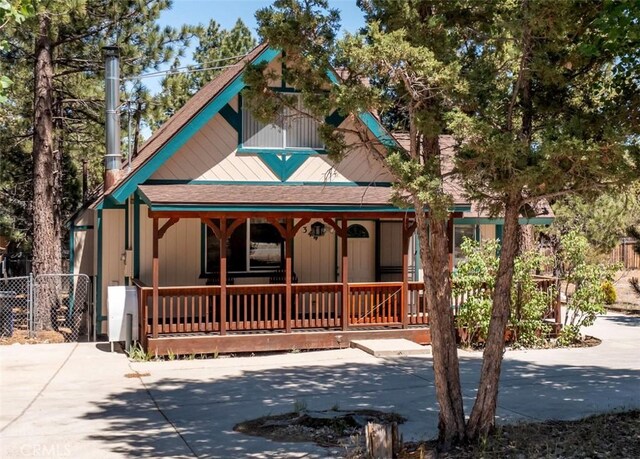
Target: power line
x,y
187,69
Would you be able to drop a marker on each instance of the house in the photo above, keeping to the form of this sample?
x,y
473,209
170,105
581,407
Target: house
x,y
241,236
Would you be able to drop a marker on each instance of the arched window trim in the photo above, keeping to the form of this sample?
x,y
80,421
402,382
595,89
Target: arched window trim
x,y
357,231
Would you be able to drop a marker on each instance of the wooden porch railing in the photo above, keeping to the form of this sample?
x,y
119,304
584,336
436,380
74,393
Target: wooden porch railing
x,y
314,306
317,306
375,304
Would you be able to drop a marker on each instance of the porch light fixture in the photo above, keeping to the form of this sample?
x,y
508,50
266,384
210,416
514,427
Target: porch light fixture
x,y
317,230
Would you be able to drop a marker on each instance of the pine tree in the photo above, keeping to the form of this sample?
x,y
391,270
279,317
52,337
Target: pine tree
x,y
56,55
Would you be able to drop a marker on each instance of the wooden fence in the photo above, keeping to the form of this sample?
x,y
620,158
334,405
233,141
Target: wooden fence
x,y
625,254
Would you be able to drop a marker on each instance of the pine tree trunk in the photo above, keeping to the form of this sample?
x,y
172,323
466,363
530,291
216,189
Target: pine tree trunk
x,y
437,283
527,239
482,418
46,160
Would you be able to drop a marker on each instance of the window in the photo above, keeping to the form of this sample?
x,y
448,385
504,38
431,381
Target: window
x,y
265,246
357,231
259,248
459,233
292,129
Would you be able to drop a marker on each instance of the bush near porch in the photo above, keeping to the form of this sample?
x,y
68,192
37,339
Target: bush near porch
x,y
588,281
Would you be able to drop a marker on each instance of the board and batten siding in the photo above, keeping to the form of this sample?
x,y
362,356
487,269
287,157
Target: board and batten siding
x,y
487,232
179,251
84,243
113,238
314,260
83,252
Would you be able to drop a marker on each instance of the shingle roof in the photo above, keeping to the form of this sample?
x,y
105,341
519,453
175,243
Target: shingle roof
x,y
283,195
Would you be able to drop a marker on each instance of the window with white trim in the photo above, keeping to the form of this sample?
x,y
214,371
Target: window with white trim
x,y
253,246
294,128
459,233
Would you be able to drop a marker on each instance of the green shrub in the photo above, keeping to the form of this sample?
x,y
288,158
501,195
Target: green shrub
x,y
609,291
477,274
587,278
475,278
528,303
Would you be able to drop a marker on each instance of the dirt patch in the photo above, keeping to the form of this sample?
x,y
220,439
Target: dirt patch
x,y
624,291
42,337
325,428
589,341
137,374
607,435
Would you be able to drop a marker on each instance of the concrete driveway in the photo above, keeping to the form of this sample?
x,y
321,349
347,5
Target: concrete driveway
x,y
78,400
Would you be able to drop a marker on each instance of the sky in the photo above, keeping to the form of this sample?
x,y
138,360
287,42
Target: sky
x,y
227,12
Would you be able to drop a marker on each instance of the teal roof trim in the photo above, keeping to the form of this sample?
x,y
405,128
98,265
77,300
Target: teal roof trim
x,y
500,221
281,164
370,121
262,183
269,208
186,132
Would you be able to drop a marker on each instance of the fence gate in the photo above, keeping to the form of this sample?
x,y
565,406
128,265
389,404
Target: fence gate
x,y
62,306
46,308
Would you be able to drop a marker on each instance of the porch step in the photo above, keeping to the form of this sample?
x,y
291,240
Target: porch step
x,y
390,347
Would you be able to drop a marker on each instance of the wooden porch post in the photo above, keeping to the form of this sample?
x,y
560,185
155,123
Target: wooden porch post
x,y
345,276
450,235
288,270
155,279
407,232
405,274
223,275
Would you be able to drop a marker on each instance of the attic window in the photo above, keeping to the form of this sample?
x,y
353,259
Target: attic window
x,y
292,129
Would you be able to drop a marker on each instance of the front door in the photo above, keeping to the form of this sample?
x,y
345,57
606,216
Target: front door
x,y
361,251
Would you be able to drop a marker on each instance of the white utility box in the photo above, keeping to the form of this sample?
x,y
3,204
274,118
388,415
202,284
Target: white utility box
x,y
122,301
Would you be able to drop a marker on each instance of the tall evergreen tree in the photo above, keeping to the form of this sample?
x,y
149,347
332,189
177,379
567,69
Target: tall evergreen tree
x,y
56,55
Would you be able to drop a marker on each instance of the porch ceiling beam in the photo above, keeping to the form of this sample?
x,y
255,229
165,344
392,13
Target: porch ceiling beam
x,y
168,224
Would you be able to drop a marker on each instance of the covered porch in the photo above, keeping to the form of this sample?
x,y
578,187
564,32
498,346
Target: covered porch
x,y
240,311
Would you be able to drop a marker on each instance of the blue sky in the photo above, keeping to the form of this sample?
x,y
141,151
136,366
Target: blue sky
x,y
226,12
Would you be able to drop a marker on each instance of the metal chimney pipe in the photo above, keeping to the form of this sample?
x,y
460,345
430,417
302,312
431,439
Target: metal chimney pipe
x,y
85,181
113,158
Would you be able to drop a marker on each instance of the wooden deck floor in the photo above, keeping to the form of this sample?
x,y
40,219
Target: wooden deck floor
x,y
201,343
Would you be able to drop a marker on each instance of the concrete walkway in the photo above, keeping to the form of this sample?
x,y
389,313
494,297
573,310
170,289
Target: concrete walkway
x,y
75,400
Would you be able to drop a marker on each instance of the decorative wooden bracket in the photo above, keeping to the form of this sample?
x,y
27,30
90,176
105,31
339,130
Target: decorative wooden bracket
x,y
341,232
287,233
408,227
219,232
214,228
168,224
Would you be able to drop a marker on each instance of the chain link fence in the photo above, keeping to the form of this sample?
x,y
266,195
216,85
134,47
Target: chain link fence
x,y
46,308
15,307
